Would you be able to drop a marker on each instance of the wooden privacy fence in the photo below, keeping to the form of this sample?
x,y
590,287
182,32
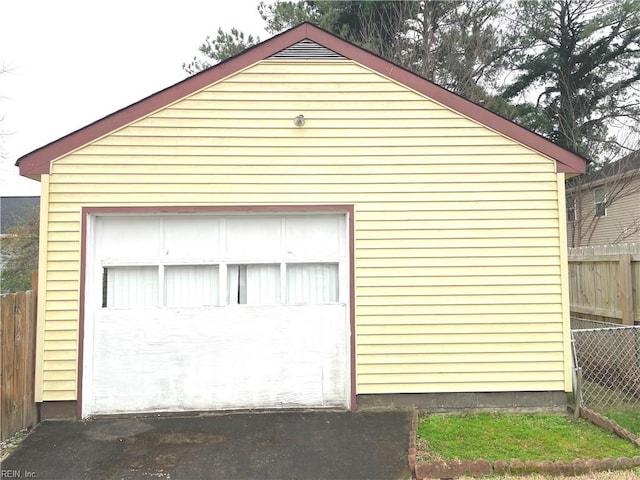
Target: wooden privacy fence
x,y
17,362
604,283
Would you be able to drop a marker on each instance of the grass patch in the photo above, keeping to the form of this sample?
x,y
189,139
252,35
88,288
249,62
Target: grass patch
x,y
628,418
626,411
526,437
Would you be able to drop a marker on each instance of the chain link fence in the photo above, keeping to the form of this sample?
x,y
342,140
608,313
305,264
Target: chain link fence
x,y
582,323
607,361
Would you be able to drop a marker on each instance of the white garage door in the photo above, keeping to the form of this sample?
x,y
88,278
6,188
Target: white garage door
x,y
197,312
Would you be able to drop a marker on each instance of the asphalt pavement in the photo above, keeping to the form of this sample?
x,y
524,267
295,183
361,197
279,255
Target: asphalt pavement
x,y
269,445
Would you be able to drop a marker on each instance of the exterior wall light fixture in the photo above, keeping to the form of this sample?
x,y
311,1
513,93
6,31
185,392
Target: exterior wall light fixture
x,y
299,121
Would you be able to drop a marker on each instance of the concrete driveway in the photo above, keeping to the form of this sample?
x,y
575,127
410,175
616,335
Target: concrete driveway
x,y
273,445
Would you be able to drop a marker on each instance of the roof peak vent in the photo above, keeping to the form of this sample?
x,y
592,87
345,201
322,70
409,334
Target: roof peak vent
x,y
307,50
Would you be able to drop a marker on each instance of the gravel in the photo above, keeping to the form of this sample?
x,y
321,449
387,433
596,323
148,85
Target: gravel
x,y
7,446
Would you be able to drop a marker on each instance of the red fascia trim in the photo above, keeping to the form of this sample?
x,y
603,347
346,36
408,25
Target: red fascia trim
x,y
348,209
38,161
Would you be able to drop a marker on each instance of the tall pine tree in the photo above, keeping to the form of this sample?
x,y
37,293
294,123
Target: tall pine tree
x,y
576,71
456,44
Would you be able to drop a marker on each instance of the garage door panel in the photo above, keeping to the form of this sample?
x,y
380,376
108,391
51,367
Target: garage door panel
x,y
253,238
335,351
128,237
212,335
313,237
201,243
192,360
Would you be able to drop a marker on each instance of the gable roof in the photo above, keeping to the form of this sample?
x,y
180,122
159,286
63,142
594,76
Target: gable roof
x,y
626,164
38,162
626,167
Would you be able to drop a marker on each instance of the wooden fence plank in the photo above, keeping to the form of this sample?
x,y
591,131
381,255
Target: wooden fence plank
x,y
3,315
626,289
19,359
17,363
635,272
605,283
30,416
6,396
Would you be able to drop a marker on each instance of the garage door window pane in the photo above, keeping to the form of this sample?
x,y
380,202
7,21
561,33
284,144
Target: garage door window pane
x,y
191,285
128,287
253,284
312,283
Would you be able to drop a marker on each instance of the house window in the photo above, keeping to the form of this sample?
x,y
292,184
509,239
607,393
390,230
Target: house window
x,y
190,285
261,284
205,261
253,284
198,285
130,287
571,208
312,283
600,202
139,286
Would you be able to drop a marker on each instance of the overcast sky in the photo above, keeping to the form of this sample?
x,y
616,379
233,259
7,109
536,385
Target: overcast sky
x,y
74,61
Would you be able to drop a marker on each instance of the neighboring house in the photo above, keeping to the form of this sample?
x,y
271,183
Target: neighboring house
x,y
302,225
604,208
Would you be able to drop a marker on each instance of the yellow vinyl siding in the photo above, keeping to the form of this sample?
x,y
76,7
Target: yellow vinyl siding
x,y
437,329
455,349
564,272
51,354
457,243
449,309
386,180
58,375
63,365
55,325
43,275
457,162
279,185
440,290
485,358
195,134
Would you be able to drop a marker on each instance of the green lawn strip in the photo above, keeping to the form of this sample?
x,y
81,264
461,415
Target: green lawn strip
x,y
523,436
628,418
619,406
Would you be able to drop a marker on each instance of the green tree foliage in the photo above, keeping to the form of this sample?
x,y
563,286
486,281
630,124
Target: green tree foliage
x,y
576,70
460,46
370,24
569,68
19,253
455,44
212,51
